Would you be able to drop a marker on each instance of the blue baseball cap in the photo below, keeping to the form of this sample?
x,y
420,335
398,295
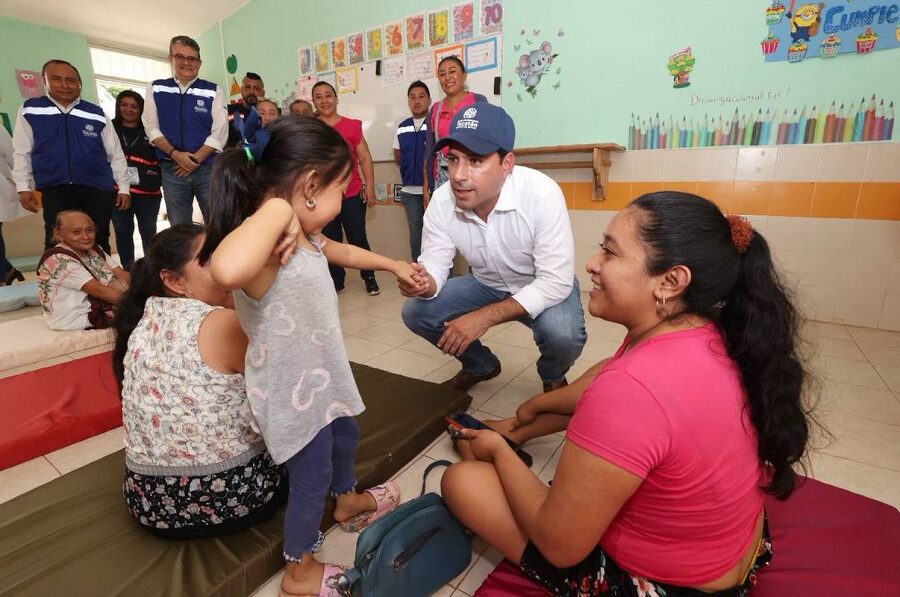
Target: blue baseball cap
x,y
482,128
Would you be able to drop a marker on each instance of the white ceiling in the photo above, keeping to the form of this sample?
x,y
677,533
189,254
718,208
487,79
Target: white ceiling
x,y
139,25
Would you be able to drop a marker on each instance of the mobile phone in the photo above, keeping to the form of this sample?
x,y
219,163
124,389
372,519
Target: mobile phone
x,y
465,420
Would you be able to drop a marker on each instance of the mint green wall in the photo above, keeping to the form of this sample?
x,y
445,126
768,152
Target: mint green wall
x,y
28,47
612,57
213,68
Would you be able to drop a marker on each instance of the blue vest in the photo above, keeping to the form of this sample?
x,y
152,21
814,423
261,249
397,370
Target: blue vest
x,y
185,119
412,151
68,148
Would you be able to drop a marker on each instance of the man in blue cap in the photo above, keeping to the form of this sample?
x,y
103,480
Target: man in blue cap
x,y
511,224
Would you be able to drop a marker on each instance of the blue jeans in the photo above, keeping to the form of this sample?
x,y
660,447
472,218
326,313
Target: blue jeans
x,y
415,211
146,210
558,331
325,463
179,192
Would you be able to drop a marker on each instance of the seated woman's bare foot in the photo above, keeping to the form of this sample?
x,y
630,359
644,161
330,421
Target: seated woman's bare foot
x,y
504,428
302,578
350,504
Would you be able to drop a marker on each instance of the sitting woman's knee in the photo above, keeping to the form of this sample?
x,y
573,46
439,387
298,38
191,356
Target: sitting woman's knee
x,y
456,482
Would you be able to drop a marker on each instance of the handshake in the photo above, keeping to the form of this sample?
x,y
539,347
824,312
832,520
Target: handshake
x,y
413,280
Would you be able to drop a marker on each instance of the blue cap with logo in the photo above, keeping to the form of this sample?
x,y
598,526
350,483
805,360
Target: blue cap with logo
x,y
482,128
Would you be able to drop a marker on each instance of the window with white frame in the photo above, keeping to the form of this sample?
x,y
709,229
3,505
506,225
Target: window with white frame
x,y
115,71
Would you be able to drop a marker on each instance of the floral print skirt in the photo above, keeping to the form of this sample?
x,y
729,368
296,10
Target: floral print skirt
x,y
599,575
210,505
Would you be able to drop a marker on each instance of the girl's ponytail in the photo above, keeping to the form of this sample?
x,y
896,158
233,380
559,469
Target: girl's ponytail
x,y
233,196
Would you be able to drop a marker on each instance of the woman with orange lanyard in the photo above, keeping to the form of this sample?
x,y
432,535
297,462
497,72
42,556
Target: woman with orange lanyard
x,y
452,77
357,196
146,178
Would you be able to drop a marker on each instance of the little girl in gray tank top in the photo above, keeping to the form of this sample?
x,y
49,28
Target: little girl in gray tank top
x,y
297,372
299,383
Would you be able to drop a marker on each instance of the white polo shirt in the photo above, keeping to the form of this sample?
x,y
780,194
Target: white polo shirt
x,y
525,247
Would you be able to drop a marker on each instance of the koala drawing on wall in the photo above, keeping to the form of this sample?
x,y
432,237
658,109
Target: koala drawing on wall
x,y
534,65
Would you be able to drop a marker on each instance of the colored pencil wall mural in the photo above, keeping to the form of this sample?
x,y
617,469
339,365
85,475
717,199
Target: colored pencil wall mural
x,y
825,29
834,121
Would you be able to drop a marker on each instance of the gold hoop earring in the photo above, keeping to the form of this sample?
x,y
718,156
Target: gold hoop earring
x,y
660,308
311,203
188,293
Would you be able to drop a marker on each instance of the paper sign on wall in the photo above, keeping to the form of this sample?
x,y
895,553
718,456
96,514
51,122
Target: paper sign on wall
x,y
438,27
347,79
321,56
415,32
481,55
420,66
491,16
355,50
374,45
30,82
464,21
339,52
393,70
303,88
330,77
393,38
304,60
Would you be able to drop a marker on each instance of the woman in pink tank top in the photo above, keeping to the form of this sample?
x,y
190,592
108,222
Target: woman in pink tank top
x,y
672,442
360,192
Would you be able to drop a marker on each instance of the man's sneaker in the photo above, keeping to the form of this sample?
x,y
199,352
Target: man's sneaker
x,y
339,289
549,386
465,380
372,287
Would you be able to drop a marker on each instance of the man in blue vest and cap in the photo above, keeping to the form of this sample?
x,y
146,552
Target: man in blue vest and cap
x,y
69,149
185,118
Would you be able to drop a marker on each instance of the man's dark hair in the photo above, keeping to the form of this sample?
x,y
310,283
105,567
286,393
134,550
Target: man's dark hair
x,y
415,84
184,40
57,61
252,76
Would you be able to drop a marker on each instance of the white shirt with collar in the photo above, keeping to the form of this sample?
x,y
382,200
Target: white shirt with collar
x,y
23,143
218,134
525,247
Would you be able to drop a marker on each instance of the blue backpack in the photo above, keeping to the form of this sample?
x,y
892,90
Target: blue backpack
x,y
411,552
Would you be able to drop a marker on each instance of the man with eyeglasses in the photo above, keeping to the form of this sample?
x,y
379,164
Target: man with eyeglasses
x,y
69,149
185,118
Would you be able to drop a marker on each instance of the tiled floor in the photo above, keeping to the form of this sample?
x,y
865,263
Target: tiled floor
x,y
857,370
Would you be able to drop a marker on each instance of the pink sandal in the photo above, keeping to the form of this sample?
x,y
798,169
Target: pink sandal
x,y
387,498
330,581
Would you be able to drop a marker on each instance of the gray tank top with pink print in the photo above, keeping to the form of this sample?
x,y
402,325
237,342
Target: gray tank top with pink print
x,y
297,372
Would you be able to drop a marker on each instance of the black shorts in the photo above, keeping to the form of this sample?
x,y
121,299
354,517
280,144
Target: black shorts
x,y
598,574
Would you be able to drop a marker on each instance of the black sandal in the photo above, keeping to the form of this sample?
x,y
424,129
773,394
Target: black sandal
x,y
13,276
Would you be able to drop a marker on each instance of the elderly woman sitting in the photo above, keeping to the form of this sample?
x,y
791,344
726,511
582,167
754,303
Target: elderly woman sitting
x,y
78,283
195,465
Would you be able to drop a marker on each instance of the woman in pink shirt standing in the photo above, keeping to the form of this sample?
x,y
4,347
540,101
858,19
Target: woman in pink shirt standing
x,y
451,75
357,196
676,439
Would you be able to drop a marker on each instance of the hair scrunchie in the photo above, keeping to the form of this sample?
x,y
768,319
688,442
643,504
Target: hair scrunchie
x,y
741,233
